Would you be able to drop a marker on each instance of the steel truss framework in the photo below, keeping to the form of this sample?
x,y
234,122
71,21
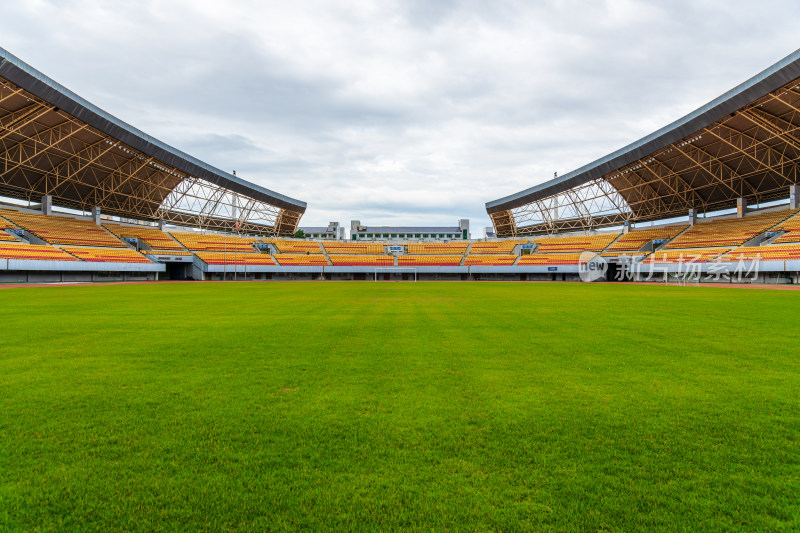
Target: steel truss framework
x,y
45,151
752,153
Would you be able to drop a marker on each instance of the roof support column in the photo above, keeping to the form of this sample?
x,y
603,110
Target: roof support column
x,y
794,196
692,216
47,204
96,215
626,226
741,207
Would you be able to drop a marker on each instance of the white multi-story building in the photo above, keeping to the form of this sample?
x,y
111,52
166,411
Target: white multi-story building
x,y
334,232
359,232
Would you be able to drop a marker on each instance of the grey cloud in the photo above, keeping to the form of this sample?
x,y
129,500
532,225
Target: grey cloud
x,y
411,112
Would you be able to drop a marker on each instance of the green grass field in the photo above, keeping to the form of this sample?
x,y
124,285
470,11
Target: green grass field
x,y
381,406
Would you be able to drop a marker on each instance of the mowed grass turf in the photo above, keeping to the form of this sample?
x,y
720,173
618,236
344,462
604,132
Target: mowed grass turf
x,y
381,406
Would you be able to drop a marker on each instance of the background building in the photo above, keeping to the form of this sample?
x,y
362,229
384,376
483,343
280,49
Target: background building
x,y
359,232
334,232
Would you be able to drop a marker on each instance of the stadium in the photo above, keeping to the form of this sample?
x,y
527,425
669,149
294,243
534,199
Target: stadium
x,y
740,151
137,397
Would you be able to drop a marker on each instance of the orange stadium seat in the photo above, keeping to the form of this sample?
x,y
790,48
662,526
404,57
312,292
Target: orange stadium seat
x,y
496,247
198,242
489,259
352,248
106,255
152,237
38,252
361,260
636,238
62,229
549,259
301,259
624,254
166,252
222,258
4,225
770,252
792,229
295,247
433,248
429,260
697,255
728,232
574,243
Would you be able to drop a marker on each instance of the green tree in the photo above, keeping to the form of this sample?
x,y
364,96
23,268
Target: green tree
x,y
299,234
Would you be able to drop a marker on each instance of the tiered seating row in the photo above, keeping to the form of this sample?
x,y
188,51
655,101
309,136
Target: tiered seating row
x,y
295,247
770,252
429,260
495,247
549,259
63,230
635,239
152,237
624,254
575,243
361,260
489,259
456,248
792,229
167,252
352,248
697,255
106,255
4,225
301,259
728,232
222,258
33,252
215,243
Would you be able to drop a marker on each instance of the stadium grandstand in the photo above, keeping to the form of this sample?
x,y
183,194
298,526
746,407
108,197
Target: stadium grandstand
x,y
58,149
103,201
742,148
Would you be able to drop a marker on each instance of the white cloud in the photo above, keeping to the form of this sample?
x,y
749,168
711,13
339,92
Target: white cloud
x,y
399,112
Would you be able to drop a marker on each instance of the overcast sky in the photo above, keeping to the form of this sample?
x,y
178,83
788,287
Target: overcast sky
x,y
412,113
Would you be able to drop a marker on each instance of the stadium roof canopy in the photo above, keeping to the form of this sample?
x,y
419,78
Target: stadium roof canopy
x,y
743,144
53,142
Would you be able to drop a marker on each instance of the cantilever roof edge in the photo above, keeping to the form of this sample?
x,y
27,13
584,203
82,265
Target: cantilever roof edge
x,y
774,77
23,75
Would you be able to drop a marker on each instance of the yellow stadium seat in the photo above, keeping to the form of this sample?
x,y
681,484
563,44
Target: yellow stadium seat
x,y
728,232
301,259
574,243
106,255
152,237
434,248
62,230
33,252
636,238
222,258
352,248
295,247
696,255
198,242
549,259
489,259
361,260
429,260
